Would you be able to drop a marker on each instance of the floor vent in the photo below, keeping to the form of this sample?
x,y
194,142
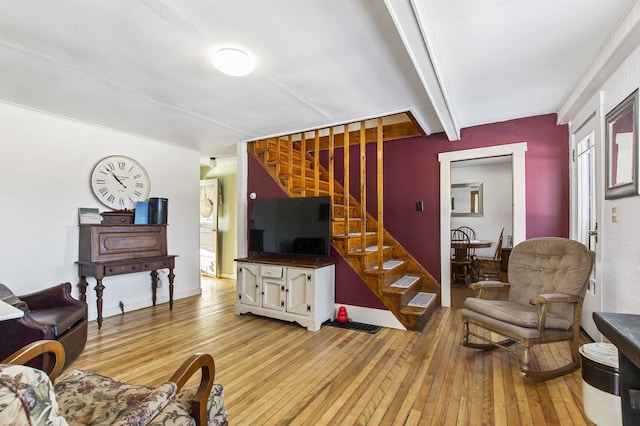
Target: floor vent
x,y
351,325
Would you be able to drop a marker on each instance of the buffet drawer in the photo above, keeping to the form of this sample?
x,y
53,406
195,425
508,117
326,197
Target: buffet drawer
x,y
158,264
122,269
271,271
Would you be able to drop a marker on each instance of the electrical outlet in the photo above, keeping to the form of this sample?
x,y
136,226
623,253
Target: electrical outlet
x,y
614,214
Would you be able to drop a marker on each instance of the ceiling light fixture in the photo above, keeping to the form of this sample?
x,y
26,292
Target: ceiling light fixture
x,y
212,162
233,62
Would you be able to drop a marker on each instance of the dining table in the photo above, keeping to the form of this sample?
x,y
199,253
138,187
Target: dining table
x,y
474,244
460,252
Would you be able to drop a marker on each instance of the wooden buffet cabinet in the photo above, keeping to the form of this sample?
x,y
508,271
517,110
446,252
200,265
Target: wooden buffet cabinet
x,y
116,249
288,289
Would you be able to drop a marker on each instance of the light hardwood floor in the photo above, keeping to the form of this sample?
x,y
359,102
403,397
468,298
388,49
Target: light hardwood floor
x,y
277,373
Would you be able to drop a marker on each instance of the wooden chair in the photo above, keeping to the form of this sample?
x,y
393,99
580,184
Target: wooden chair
x,y
472,236
548,280
461,261
489,267
83,397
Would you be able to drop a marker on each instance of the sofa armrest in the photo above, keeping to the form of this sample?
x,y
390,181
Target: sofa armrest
x,y
206,365
59,295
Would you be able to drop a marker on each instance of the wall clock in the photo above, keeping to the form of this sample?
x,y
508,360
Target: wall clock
x,y
119,182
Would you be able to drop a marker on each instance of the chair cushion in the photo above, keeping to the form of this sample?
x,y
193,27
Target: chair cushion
x,y
27,397
178,411
89,398
61,318
515,313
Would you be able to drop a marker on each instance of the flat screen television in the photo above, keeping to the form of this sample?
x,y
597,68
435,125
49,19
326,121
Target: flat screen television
x,y
290,226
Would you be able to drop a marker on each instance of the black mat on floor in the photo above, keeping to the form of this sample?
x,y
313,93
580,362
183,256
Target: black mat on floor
x,y
358,326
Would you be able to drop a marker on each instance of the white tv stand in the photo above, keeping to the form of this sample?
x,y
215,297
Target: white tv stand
x,y
287,288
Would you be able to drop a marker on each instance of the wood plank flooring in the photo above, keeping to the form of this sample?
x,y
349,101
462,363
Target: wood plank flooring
x,y
277,373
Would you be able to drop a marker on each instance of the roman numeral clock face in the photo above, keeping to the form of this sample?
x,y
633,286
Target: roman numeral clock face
x,y
119,182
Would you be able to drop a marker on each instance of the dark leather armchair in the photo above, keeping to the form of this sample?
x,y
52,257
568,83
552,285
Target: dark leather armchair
x,y
49,314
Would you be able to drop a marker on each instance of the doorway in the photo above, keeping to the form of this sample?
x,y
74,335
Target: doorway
x,y
209,202
516,151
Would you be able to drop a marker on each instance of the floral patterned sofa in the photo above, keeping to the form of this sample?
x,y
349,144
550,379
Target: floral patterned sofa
x,y
29,395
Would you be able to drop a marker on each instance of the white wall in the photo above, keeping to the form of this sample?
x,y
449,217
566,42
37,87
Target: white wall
x,y
621,241
497,202
45,163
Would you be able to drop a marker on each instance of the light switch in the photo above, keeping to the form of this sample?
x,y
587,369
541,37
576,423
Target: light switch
x,y
614,214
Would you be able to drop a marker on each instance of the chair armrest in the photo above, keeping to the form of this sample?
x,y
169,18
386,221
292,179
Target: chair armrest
x,y
59,295
32,350
553,297
204,363
481,286
543,301
488,284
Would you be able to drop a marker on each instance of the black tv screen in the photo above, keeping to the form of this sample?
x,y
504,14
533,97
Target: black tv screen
x,y
299,226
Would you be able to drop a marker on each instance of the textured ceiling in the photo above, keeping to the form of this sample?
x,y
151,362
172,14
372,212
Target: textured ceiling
x,y
143,66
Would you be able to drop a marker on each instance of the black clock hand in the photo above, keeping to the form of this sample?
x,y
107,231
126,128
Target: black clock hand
x,y
116,178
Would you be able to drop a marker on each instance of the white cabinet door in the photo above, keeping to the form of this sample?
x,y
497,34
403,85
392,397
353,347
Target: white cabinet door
x,y
299,290
272,294
248,284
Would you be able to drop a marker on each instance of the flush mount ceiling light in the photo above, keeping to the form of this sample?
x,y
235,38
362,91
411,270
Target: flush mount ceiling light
x,y
233,62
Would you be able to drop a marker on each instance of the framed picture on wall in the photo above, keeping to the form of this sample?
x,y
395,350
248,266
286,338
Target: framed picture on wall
x,y
621,149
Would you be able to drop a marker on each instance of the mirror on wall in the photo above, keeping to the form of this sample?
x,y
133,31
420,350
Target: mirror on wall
x,y
466,199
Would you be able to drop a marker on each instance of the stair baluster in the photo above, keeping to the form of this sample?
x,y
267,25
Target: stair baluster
x,y
405,277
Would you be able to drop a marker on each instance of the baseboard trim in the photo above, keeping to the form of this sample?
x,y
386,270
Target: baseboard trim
x,y
134,306
373,316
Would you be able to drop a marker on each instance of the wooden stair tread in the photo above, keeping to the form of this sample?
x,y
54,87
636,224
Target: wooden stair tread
x,y
405,282
353,234
388,265
422,300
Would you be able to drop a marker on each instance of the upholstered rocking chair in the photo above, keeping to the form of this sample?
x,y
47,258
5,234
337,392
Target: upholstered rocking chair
x,y
548,280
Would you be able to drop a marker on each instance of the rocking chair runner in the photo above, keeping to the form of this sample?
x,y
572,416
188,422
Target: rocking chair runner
x,y
548,279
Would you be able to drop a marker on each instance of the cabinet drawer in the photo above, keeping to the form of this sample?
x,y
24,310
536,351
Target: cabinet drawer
x,y
152,266
122,269
271,271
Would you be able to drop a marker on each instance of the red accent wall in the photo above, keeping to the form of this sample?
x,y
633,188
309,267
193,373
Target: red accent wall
x,y
412,173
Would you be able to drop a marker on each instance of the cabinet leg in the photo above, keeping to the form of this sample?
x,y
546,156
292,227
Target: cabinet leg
x,y
99,288
171,277
154,286
82,286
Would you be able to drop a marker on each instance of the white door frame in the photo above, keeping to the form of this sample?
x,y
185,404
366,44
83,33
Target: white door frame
x,y
590,119
516,150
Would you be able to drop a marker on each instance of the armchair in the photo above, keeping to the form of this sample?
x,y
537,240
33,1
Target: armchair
x,y
28,396
49,314
548,279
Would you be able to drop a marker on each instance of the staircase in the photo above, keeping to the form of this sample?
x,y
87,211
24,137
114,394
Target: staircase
x,y
397,279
